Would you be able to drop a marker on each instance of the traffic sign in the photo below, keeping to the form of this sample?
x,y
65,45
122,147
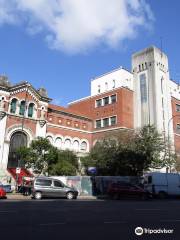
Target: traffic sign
x,y
18,170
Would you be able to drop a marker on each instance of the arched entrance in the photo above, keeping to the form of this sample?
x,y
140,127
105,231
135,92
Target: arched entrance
x,y
18,139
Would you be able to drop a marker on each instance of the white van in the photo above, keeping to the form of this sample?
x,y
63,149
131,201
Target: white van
x,y
162,184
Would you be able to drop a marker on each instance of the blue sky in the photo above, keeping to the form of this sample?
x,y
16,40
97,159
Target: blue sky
x,y
63,47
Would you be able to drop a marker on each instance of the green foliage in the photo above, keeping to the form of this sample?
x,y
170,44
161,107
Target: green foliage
x,y
43,158
130,154
63,168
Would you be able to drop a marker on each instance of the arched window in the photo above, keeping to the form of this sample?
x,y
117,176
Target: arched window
x,y
22,108
58,142
31,110
13,105
84,146
67,144
18,139
76,146
50,139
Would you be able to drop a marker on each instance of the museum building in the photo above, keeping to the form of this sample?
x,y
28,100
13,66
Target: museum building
x,y
119,99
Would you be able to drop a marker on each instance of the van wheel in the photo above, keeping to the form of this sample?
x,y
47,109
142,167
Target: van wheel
x,y
38,195
162,195
69,195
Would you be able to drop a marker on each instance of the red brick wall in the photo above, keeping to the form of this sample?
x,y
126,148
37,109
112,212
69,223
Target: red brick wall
x,y
123,108
176,120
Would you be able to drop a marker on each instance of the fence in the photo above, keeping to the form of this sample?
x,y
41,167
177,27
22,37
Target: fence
x,y
98,185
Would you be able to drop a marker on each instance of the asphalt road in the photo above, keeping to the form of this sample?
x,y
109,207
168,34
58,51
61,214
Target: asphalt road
x,y
88,219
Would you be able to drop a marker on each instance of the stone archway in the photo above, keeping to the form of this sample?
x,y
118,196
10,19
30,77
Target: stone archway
x,y
18,139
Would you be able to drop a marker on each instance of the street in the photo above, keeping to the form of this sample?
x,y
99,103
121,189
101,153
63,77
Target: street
x,y
88,219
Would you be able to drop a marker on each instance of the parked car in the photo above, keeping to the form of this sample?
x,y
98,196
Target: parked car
x,y
124,189
2,193
162,184
7,188
49,187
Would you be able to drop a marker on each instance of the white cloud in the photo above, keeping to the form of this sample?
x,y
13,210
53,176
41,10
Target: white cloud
x,y
78,25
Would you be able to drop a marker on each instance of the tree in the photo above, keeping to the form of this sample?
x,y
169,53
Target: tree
x,y
63,168
128,152
43,158
66,164
39,155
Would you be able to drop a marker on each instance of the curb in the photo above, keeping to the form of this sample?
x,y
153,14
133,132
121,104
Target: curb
x,y
18,196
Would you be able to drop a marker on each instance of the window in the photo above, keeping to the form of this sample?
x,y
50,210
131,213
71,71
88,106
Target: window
x,y
58,184
113,98
76,146
99,88
106,86
58,142
143,88
50,139
177,108
99,103
22,108
178,128
114,83
43,182
84,146
98,123
31,110
106,100
105,122
13,105
67,144
162,85
113,120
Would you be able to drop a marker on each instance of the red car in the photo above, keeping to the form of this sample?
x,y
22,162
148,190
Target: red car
x,y
124,189
2,193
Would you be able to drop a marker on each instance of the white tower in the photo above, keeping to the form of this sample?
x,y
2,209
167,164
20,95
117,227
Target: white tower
x,y
152,100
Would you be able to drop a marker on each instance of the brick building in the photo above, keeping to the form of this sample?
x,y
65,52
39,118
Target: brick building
x,y
120,99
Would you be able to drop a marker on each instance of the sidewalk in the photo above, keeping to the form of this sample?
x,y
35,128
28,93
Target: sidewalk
x,y
19,196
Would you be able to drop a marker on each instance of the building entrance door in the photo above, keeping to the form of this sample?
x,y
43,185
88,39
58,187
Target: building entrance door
x,y
18,139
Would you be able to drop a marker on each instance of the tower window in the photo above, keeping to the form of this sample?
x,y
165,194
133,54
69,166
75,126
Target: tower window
x,y
114,83
99,88
143,88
